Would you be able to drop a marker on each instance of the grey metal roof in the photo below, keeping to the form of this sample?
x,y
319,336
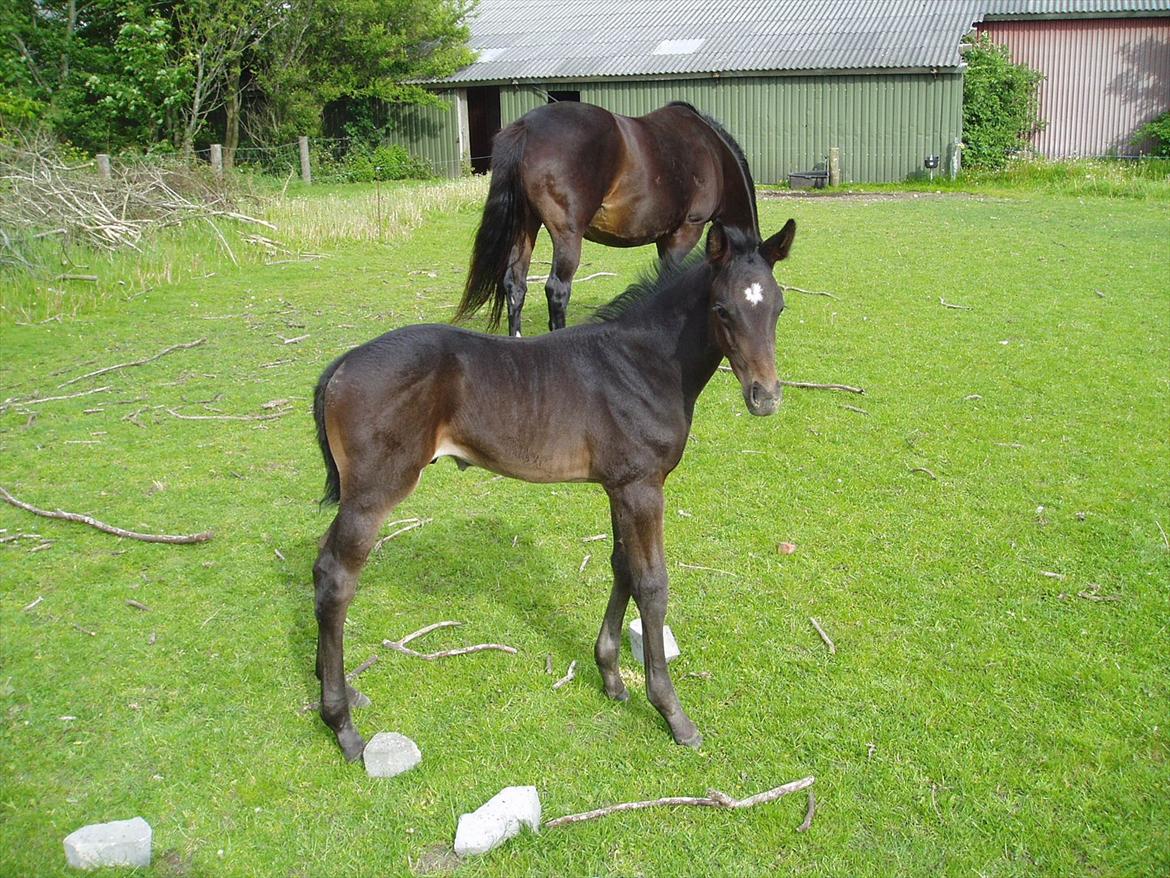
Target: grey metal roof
x,y
1054,8
573,39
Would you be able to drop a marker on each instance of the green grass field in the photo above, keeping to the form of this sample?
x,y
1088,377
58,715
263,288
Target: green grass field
x,y
978,718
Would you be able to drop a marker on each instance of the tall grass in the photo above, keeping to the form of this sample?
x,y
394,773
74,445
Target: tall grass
x,y
62,280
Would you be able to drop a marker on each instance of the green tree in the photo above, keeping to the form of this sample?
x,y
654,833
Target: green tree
x,y
1000,104
360,52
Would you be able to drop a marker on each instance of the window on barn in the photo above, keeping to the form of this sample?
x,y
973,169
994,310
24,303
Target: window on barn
x,y
555,97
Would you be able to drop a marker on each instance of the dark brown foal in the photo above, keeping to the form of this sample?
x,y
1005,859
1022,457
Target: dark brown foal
x,y
608,402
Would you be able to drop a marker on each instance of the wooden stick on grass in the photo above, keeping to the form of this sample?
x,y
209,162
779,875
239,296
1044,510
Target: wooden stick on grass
x,y
400,645
570,675
808,815
713,799
825,637
808,292
267,417
178,539
142,362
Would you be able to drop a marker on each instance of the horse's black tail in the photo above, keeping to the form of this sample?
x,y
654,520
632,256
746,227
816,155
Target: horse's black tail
x,y
332,476
505,216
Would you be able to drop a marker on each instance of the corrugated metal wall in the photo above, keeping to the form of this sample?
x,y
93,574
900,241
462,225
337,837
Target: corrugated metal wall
x,y
885,124
1105,77
432,133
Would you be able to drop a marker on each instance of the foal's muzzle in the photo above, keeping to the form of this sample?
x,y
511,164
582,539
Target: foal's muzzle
x,y
762,400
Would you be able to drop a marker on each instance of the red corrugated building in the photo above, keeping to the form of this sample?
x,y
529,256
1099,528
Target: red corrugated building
x,y
1106,65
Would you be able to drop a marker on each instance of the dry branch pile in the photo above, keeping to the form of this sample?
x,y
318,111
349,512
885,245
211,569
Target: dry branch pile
x,y
42,194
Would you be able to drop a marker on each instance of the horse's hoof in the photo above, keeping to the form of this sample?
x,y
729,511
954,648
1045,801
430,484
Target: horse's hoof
x,y
356,698
694,741
622,694
352,745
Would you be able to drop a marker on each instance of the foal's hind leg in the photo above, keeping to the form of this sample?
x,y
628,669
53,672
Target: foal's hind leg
x,y
637,510
344,550
566,258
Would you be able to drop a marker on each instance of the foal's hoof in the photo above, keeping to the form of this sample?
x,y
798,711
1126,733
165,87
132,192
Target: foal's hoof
x,y
352,744
694,741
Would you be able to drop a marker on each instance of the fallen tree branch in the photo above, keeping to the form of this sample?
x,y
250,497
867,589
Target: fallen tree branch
x,y
39,400
102,526
577,280
922,469
400,645
570,675
808,815
825,637
142,362
409,524
853,408
947,304
808,292
713,799
268,417
362,668
809,385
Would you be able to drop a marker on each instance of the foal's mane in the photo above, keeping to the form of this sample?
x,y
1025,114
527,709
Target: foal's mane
x,y
661,276
654,279
732,144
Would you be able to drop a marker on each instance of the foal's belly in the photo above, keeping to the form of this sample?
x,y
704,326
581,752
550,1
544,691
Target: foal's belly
x,y
549,465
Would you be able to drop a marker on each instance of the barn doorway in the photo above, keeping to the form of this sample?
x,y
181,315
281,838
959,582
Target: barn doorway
x,y
483,121
558,96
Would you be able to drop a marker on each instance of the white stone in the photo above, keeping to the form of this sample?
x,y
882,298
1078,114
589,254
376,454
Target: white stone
x,y
389,753
497,820
119,843
668,641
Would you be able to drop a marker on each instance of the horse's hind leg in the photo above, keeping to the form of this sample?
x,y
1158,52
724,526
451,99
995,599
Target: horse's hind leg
x,y
343,553
566,258
515,280
609,640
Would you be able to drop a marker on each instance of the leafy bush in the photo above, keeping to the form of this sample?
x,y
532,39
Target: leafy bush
x,y
1000,104
384,162
1157,130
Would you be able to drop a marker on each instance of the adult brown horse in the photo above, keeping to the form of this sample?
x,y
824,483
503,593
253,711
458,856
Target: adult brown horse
x,y
584,172
608,402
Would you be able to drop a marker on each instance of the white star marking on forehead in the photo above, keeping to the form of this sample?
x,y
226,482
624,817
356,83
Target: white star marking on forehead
x,y
754,294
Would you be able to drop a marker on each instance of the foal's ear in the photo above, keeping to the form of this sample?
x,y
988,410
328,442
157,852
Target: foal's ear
x,y
718,247
777,246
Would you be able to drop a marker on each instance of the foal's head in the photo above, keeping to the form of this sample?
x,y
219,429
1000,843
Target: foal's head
x,y
745,304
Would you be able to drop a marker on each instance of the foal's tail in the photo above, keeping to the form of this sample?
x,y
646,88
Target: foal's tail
x,y
504,219
332,476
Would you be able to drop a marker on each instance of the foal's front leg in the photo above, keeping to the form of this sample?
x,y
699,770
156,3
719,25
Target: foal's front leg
x,y
637,512
609,639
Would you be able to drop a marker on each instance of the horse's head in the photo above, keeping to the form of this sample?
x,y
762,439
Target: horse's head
x,y
745,304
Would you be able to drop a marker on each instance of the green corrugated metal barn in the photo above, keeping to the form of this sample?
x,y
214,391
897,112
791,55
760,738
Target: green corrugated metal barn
x,y
879,79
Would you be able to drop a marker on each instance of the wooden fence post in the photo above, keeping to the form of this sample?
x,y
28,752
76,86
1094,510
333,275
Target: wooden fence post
x,y
834,166
217,159
103,163
306,171
955,159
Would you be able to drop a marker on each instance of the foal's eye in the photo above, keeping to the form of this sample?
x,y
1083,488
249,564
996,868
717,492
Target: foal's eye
x,y
721,312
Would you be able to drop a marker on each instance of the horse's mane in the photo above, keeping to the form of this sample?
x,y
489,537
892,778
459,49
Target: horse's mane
x,y
733,145
653,280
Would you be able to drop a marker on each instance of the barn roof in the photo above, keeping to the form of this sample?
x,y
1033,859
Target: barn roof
x,y
578,39
1010,9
